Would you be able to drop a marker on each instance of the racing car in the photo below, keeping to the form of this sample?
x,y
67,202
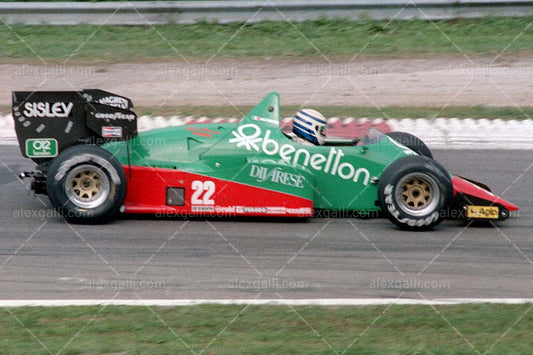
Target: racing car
x,y
93,163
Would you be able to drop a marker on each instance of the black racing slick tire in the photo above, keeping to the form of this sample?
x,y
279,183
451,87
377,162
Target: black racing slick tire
x,y
412,142
414,193
86,184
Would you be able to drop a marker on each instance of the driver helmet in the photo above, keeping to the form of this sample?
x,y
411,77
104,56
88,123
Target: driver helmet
x,y
310,125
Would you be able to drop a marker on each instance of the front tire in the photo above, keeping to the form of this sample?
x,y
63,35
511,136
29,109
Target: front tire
x,y
414,193
86,184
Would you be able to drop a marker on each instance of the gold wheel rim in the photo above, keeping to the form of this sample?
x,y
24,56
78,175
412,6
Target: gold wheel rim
x,y
87,184
416,193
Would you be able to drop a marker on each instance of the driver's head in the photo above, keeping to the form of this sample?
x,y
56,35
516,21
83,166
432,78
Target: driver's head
x,y
310,125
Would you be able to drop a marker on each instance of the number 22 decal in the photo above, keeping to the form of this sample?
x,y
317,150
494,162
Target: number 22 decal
x,y
205,188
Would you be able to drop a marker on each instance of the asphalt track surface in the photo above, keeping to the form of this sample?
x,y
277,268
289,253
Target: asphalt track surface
x,y
42,257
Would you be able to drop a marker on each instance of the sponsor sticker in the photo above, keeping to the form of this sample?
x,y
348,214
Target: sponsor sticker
x,y
300,211
272,210
485,212
111,132
276,210
225,209
114,116
246,209
114,101
41,148
47,109
251,138
276,175
202,208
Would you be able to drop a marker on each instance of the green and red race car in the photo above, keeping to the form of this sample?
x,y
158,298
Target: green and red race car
x,y
93,164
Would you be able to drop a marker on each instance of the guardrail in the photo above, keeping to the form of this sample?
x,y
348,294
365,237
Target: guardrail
x,y
188,12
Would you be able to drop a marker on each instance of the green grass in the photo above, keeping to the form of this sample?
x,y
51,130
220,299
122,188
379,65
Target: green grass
x,y
268,329
332,38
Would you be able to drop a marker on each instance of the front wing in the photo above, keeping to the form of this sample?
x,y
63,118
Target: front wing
x,y
474,201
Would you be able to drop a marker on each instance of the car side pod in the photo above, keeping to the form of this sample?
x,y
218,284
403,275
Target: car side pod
x,y
478,203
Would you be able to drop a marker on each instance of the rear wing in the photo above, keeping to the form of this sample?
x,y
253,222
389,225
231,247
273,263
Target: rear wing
x,y
47,122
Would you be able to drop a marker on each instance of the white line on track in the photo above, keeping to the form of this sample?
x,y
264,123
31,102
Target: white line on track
x,y
278,302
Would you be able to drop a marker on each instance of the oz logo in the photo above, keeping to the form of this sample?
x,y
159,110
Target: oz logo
x,y
41,148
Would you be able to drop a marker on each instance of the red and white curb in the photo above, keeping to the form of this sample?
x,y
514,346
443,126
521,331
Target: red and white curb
x,y
439,133
265,302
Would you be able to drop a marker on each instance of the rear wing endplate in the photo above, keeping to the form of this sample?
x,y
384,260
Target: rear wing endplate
x,y
47,122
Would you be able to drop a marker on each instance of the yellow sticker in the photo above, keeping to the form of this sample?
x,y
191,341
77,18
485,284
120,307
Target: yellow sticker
x,y
485,212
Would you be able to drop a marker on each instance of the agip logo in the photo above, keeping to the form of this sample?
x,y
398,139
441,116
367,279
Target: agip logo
x,y
41,148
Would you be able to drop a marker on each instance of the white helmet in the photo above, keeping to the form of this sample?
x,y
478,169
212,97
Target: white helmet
x,y
310,125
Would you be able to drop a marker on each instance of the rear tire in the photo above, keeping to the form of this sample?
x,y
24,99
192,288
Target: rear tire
x,y
412,142
86,184
414,192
